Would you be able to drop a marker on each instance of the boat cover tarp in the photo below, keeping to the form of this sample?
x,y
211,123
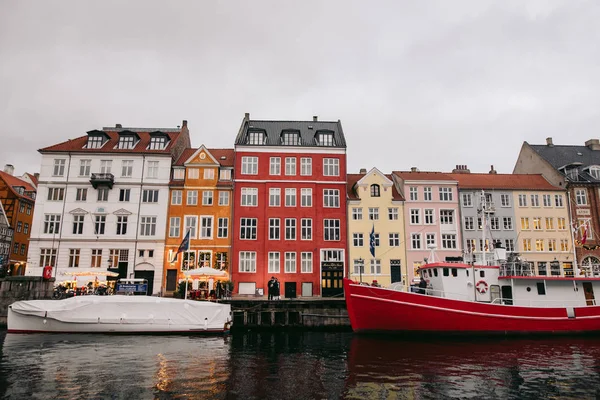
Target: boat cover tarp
x,y
127,310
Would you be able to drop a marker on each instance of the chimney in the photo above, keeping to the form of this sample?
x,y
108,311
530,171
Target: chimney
x,y
37,175
492,170
414,169
118,126
549,142
461,169
315,117
363,171
9,169
593,144
184,123
247,116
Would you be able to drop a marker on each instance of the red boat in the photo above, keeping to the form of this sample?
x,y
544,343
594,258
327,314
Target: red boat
x,y
471,299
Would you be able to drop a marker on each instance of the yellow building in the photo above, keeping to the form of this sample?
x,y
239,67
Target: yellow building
x,y
375,213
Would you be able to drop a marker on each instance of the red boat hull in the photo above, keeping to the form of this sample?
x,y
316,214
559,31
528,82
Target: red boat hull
x,y
373,309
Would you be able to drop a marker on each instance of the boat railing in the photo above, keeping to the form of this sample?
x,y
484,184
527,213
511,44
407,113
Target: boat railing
x,y
429,291
541,303
517,268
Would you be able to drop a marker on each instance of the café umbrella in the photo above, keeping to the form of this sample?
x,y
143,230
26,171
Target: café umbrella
x,y
201,272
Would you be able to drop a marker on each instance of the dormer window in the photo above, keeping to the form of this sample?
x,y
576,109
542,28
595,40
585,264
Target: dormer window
x,y
325,139
256,137
572,174
290,138
126,142
158,141
19,189
594,171
375,190
95,142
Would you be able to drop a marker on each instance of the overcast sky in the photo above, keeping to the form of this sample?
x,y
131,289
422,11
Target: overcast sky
x,y
429,84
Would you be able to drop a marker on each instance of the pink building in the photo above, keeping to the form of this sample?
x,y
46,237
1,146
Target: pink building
x,y
431,218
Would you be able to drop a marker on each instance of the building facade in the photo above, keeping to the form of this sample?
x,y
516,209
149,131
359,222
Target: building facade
x,y
200,201
6,239
431,218
290,207
18,198
376,210
103,202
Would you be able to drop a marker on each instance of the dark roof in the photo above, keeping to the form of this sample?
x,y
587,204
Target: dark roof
x,y
503,181
560,156
307,130
352,180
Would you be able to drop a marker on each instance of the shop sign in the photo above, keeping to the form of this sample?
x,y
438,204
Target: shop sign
x,y
332,265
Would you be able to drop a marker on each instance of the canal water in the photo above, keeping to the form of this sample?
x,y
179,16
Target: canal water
x,y
296,365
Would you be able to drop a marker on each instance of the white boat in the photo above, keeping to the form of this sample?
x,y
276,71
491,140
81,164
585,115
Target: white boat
x,y
119,314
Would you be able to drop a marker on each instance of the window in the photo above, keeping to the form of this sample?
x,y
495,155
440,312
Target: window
x,y
28,209
290,229
581,197
394,239
157,143
85,167
209,173
248,228
207,198
549,223
427,196
126,142
95,141
274,260
96,258
176,197
561,223
484,245
206,225
331,167
325,139
22,208
225,174
564,245
247,261
105,166
539,244
150,196
275,166
193,173
174,226
179,173
547,200
376,239
148,226
415,216
47,257
78,224
522,200
249,197
256,137
448,241
290,165
507,222
290,139
535,200
56,194
127,168
469,223
306,230
306,166
537,223
357,240
122,225
332,229
375,266
505,200
274,197
373,213
356,213
59,167
526,244
26,228
223,198
558,200
552,245
306,197
375,190
223,228
249,165
306,263
467,200
51,223
16,248
429,216
524,223
470,245
102,194
585,228
509,244
542,270
99,224
358,266
393,213
445,194
447,217
331,198
415,241
495,223
124,194
274,228
152,169
290,197
414,194
74,258
290,262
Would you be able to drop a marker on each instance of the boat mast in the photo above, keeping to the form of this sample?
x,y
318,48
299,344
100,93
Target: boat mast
x,y
482,211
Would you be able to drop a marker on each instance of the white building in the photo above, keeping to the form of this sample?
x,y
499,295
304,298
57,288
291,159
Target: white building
x,y
102,204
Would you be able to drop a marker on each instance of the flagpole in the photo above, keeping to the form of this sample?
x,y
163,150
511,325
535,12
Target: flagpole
x,y
186,277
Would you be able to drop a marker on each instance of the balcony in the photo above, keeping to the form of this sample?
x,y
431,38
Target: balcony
x,y
102,180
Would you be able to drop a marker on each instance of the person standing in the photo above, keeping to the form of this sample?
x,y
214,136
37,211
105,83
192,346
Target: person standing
x,y
422,286
271,288
276,288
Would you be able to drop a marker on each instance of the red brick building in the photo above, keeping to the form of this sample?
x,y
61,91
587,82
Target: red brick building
x,y
289,217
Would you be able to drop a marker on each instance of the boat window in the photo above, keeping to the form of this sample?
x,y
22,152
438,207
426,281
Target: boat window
x,y
541,288
446,272
467,272
435,272
454,272
482,274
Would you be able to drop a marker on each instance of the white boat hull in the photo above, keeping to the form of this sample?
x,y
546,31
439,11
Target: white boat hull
x,y
118,314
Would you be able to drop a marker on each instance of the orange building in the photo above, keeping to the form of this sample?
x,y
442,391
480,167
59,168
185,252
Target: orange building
x,y
200,201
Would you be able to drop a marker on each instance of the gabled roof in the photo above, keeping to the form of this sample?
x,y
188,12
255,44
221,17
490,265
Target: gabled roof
x,y
503,181
423,176
33,178
13,181
563,155
307,130
216,153
352,181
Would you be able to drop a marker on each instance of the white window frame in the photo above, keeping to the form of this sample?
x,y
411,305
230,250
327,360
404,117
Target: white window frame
x,y
249,165
275,166
274,197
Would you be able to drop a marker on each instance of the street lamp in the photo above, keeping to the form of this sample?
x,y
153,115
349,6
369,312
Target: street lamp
x,y
361,263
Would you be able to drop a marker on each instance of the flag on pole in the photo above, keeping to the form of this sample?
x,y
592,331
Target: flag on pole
x,y
372,241
585,234
185,245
